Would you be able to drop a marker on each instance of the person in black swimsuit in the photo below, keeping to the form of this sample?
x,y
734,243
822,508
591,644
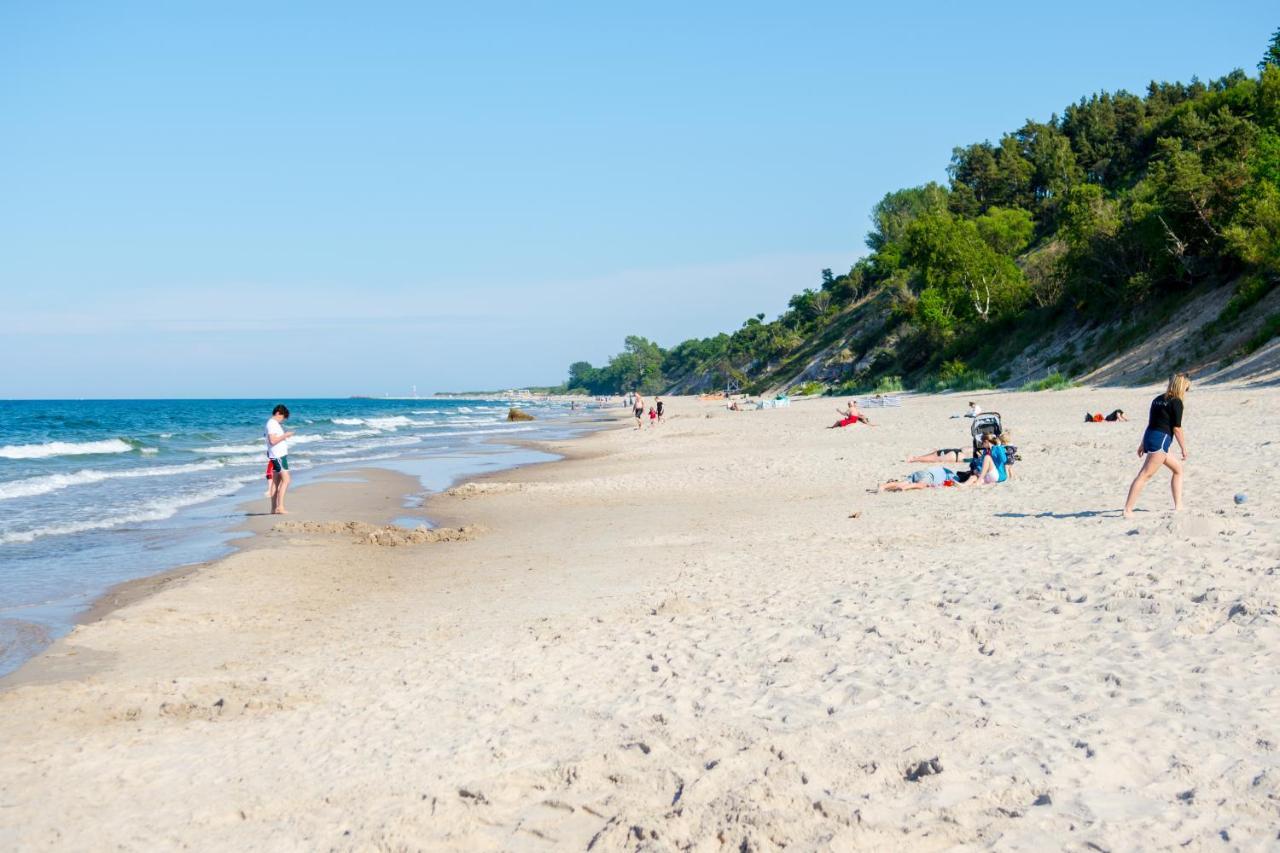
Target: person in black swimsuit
x,y
638,409
942,454
1164,426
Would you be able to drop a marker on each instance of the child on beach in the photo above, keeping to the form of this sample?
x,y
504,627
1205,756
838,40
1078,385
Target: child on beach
x,y
653,416
278,458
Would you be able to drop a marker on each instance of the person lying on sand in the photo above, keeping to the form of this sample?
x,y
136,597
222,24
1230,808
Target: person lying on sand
x,y
942,454
925,478
849,416
1097,417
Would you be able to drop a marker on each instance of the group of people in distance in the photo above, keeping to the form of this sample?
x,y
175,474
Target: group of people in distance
x,y
990,463
656,411
987,466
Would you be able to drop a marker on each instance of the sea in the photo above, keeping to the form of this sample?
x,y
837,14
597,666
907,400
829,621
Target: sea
x,y
97,492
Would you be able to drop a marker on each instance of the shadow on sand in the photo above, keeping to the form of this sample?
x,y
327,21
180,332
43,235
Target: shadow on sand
x,y
1084,513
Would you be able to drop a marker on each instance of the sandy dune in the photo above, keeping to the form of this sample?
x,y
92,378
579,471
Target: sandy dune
x,y
682,640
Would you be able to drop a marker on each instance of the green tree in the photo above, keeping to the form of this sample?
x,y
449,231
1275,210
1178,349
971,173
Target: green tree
x,y
893,214
1272,56
974,280
583,375
1007,230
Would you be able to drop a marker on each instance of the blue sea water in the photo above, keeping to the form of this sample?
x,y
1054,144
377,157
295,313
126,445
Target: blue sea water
x,y
93,493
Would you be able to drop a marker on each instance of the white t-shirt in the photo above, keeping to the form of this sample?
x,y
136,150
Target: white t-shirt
x,y
279,449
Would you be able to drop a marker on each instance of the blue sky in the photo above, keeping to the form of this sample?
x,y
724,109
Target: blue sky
x,y
325,199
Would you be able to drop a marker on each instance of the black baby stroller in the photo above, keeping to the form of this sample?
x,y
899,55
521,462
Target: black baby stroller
x,y
988,423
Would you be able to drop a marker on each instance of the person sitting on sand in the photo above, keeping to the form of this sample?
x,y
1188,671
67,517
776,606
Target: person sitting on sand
x,y
849,416
995,459
925,478
734,407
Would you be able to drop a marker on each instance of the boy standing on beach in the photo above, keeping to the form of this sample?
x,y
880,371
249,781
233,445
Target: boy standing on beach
x,y
278,457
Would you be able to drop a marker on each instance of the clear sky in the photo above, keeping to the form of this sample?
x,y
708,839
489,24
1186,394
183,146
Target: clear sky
x,y
310,199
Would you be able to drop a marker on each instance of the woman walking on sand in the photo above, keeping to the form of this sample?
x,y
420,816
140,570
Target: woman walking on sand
x,y
1163,427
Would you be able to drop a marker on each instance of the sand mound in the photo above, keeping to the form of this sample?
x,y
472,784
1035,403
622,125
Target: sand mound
x,y
389,534
475,490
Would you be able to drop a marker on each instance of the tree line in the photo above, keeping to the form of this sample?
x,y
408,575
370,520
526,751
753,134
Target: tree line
x,y
1119,201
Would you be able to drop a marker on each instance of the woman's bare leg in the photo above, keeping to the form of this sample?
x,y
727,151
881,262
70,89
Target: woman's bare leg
x,y
1175,485
1150,464
988,468
935,457
898,486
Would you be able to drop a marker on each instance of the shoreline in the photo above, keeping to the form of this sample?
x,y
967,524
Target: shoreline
x,y
384,485
686,630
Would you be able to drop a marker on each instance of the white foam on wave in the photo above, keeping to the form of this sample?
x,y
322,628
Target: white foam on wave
x,y
153,511
32,486
224,449
390,422
466,419
402,441
482,431
64,448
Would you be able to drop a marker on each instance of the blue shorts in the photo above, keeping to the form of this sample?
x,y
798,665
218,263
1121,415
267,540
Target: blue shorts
x,y
1155,441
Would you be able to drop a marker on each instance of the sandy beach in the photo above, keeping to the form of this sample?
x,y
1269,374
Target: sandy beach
x,y
703,636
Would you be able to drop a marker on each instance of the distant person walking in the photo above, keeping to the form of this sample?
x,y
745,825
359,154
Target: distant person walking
x,y
1164,426
638,409
278,457
661,413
